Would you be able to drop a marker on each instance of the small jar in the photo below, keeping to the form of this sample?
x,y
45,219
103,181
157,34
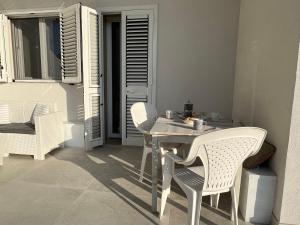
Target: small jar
x,y
188,109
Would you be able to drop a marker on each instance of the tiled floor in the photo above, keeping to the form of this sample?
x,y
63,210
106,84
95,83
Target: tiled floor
x,y
101,187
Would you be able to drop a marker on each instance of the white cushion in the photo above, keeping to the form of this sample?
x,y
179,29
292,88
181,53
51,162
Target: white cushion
x,y
39,109
4,114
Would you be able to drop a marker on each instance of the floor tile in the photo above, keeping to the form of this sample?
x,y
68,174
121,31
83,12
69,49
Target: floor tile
x,y
59,173
74,187
95,207
24,203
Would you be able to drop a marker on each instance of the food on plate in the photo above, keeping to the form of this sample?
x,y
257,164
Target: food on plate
x,y
189,120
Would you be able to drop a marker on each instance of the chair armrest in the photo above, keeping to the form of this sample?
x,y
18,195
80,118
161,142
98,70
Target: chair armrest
x,y
170,159
49,130
175,158
171,156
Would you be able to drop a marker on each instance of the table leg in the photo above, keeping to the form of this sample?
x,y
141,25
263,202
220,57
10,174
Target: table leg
x,y
154,172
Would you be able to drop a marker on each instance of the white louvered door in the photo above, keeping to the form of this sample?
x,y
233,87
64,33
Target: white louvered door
x,y
92,78
3,59
137,68
70,35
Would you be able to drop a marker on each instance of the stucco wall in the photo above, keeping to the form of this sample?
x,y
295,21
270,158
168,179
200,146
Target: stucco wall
x,y
68,98
269,33
290,211
196,52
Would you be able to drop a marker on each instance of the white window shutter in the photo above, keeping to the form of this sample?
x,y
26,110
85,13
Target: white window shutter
x,y
4,48
70,34
92,79
137,67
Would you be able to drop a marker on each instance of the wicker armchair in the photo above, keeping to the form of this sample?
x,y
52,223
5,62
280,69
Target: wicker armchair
x,y
33,129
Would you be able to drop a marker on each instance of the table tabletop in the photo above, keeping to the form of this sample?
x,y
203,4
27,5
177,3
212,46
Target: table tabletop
x,y
176,126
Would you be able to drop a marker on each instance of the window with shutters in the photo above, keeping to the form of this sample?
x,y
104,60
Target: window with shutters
x,y
36,48
137,41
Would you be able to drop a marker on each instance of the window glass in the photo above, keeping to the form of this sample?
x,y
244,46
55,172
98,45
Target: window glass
x,y
36,43
53,48
31,47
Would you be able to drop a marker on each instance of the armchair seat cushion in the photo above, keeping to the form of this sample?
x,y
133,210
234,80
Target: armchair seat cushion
x,y
17,128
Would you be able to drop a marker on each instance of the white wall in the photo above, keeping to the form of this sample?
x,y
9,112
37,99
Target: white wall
x,y
196,51
196,54
269,33
68,98
290,210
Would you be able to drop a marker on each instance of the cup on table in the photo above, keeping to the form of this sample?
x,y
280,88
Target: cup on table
x,y
169,114
198,124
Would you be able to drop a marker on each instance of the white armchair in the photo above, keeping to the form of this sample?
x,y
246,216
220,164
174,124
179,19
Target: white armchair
x,y
21,137
222,153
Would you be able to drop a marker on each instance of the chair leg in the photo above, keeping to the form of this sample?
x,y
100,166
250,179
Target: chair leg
x,y
194,199
144,157
198,208
191,197
214,200
234,207
166,189
194,207
166,182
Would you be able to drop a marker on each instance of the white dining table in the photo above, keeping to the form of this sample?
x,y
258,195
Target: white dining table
x,y
175,131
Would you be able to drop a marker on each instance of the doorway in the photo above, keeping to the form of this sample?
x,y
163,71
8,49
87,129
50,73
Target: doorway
x,y
112,67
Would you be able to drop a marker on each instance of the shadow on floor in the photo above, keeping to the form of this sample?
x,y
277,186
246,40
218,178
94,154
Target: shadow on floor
x,y
124,162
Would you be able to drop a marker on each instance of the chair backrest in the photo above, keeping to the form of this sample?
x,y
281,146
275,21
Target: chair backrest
x,y
21,111
223,153
4,114
144,116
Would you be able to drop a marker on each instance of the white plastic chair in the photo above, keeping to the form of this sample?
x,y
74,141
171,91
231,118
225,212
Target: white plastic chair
x,y
222,153
144,116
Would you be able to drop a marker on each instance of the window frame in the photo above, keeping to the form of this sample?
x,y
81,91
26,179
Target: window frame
x,y
19,57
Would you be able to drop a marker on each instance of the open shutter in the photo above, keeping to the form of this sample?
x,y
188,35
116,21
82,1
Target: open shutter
x,y
137,68
92,78
3,48
70,34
